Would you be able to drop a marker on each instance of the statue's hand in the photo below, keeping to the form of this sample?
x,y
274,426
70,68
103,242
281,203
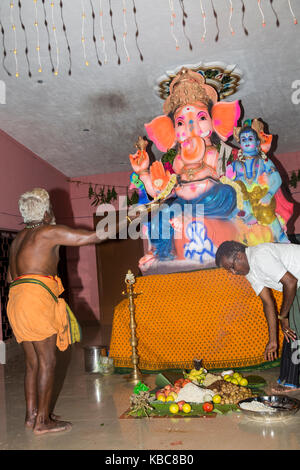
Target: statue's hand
x,y
265,201
139,161
159,177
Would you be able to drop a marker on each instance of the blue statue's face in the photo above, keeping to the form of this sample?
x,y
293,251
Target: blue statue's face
x,y
249,143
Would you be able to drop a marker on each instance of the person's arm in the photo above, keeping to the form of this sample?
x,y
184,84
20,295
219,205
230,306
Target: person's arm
x,y
289,283
274,182
271,317
67,236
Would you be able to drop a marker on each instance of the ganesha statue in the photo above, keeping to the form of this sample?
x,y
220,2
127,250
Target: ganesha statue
x,y
206,205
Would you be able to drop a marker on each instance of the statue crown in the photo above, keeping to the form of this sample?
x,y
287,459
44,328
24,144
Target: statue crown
x,y
188,87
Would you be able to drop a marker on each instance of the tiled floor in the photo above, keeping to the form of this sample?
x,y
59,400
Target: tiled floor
x,y
94,403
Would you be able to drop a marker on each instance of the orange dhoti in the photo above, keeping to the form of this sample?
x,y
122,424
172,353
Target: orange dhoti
x,y
34,313
207,314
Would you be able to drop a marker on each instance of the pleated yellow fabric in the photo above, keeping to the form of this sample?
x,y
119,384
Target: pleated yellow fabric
x,y
207,314
35,311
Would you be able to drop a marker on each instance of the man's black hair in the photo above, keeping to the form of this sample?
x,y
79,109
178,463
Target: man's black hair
x,y
227,249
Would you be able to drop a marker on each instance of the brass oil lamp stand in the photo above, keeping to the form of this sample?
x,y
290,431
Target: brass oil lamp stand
x,y
136,375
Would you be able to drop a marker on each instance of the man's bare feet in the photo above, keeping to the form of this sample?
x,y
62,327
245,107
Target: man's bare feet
x,y
30,421
277,388
51,426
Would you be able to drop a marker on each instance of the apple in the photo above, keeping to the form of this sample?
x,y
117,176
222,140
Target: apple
x,y
180,404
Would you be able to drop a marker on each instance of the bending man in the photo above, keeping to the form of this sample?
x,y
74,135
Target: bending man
x,y
38,317
272,266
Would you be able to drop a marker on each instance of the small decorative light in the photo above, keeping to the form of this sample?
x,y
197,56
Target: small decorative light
x,y
173,15
125,30
102,33
36,24
55,39
15,37
262,13
230,17
204,21
293,14
83,16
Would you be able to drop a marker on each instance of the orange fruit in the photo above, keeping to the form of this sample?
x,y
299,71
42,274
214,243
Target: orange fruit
x,y
170,398
161,397
216,398
244,382
186,408
174,408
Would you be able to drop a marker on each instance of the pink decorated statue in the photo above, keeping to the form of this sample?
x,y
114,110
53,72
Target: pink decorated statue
x,y
203,209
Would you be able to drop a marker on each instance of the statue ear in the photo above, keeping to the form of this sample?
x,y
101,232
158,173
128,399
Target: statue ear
x,y
266,141
161,131
225,116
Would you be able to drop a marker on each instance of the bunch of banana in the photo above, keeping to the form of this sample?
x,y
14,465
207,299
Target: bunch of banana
x,y
197,375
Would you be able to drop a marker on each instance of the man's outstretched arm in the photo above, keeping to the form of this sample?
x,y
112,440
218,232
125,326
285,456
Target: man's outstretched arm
x,y
67,236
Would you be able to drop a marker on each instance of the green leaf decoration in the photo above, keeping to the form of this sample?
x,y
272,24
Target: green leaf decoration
x,y
169,156
140,387
114,194
91,192
255,381
100,197
293,180
133,200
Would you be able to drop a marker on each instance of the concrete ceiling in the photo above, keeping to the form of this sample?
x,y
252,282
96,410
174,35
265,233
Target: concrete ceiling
x,y
87,122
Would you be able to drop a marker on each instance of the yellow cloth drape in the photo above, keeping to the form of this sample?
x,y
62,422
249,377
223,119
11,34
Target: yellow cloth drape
x,y
207,314
36,312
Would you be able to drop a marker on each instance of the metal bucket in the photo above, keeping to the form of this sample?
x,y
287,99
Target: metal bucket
x,y
92,356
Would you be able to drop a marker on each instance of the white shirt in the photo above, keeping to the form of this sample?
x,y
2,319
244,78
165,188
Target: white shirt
x,y
269,262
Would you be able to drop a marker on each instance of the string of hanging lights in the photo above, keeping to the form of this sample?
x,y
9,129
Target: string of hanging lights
x,y
94,13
